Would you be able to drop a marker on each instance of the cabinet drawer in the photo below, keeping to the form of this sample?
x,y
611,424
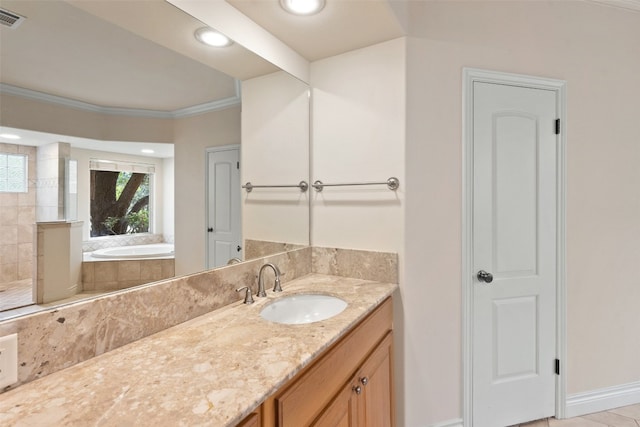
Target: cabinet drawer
x,y
312,390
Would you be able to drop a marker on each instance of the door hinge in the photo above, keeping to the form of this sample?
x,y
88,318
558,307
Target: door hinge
x,y
557,366
557,126
237,165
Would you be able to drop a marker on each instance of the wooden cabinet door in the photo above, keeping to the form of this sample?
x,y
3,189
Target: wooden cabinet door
x,y
252,420
367,400
305,399
376,403
342,411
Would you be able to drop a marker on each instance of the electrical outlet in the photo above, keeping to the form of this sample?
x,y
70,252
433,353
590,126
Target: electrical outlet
x,y
8,360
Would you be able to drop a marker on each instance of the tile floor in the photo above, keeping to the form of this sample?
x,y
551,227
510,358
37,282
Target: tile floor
x,y
627,416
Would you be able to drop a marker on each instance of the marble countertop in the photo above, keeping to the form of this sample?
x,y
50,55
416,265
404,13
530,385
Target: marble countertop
x,y
210,371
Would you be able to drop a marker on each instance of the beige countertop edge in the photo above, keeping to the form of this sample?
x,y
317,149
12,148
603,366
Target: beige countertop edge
x,y
210,371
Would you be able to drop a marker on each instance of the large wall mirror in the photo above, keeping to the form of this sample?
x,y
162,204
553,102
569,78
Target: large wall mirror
x,y
119,99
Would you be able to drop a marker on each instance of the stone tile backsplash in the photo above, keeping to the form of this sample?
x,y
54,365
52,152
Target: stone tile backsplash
x,y
51,340
379,266
260,248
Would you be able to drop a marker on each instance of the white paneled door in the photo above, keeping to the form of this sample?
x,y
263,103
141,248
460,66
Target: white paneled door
x,y
514,254
223,206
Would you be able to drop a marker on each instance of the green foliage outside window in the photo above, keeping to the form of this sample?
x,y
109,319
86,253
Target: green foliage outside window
x,y
119,203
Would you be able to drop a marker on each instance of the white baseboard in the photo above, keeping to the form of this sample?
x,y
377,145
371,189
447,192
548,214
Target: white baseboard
x,y
602,399
451,423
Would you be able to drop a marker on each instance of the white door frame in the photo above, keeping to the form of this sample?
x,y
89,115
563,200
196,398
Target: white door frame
x,y
209,150
469,76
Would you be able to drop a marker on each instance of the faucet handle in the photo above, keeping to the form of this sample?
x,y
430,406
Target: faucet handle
x,y
248,298
276,285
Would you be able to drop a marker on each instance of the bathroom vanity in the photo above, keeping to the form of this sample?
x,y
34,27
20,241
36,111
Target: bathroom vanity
x,y
232,367
351,384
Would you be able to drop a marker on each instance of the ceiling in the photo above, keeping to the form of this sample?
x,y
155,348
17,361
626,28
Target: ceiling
x,y
342,26
64,49
100,52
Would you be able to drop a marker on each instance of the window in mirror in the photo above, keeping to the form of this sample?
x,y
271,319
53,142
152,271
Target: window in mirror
x,y
120,198
13,173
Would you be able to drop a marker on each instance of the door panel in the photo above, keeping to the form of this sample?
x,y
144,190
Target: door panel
x,y
515,324
515,194
223,207
378,386
514,238
222,196
224,251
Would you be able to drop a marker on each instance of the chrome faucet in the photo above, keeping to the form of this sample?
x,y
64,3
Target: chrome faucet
x,y
248,299
276,285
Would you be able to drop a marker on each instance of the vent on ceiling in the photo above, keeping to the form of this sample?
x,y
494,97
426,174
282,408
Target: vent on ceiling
x,y
10,19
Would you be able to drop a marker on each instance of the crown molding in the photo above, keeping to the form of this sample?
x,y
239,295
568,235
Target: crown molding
x,y
219,104
633,5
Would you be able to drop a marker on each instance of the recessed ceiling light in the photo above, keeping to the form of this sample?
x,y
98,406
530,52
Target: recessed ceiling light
x,y
9,136
147,151
302,7
211,37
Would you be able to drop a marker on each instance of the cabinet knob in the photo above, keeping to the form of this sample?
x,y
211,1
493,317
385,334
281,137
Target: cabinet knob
x,y
364,380
357,389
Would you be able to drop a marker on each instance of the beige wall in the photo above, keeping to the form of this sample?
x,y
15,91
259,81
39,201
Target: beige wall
x,y
595,49
275,150
358,125
358,136
192,136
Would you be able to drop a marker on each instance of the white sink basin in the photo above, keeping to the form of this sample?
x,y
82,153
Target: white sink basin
x,y
301,309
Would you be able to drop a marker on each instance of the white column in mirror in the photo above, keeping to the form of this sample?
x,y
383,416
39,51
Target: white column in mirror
x,y
58,269
275,151
168,198
8,360
71,190
51,164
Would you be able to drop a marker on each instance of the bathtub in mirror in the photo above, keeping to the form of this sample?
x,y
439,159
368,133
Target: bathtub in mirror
x,y
203,112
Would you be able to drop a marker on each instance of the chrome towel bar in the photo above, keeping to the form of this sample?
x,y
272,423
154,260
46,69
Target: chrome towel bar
x,y
303,186
392,183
